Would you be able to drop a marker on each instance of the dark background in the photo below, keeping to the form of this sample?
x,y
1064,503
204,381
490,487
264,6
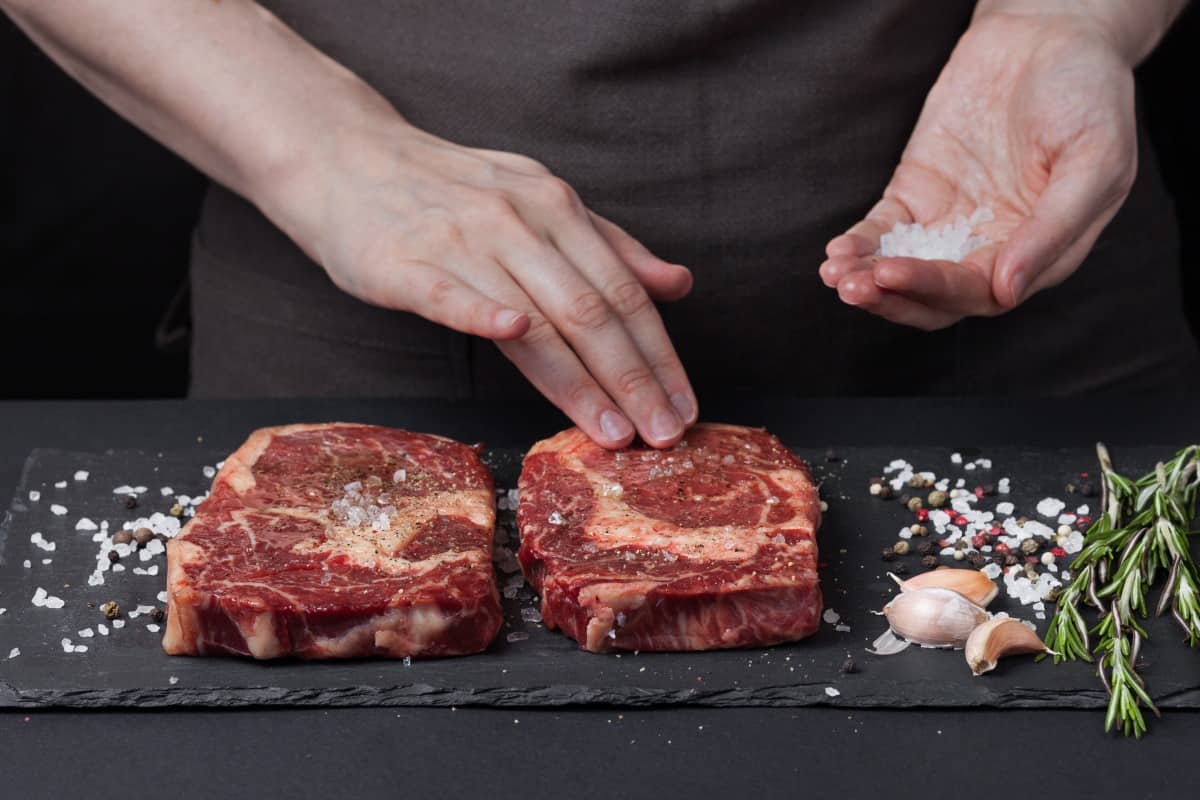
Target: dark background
x,y
95,222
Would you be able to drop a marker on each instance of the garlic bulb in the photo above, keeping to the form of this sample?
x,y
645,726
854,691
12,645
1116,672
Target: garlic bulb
x,y
934,616
999,637
970,583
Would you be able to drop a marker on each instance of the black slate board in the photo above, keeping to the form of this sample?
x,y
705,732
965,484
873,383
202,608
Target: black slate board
x,y
127,668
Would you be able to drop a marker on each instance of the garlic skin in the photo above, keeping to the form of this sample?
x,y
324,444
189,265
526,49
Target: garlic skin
x,y
970,583
934,617
999,637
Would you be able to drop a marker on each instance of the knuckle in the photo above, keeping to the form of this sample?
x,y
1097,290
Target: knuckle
x,y
556,193
588,311
440,291
628,298
540,330
632,381
579,393
667,364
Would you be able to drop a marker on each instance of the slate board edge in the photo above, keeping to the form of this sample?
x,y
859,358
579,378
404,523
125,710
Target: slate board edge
x,y
418,695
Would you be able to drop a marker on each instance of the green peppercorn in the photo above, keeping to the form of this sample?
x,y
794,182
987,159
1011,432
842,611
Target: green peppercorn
x,y
110,610
918,530
900,548
937,499
1029,546
913,504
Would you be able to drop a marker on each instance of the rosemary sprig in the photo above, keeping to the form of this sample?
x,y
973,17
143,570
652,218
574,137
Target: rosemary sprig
x,y
1143,530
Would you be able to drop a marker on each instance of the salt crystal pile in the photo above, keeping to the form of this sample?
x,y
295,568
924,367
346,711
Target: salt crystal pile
x,y
948,243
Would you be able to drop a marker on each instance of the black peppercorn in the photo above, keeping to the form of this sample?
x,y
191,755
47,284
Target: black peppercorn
x,y
1088,489
849,666
831,456
900,569
989,489
887,554
131,501
924,547
157,614
1010,560
885,492
929,562
114,556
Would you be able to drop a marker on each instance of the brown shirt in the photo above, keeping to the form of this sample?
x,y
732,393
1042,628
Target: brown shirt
x,y
733,136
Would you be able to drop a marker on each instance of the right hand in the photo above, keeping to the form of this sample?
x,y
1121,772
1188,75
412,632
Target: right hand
x,y
492,244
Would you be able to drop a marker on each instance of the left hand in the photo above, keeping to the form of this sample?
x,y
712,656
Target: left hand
x,y
1033,116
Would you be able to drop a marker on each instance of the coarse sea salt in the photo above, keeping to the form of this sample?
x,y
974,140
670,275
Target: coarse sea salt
x,y
831,616
58,510
34,496
209,471
831,692
952,242
60,485
16,651
86,524
81,475
1050,507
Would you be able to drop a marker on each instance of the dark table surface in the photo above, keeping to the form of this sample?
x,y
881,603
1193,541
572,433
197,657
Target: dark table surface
x,y
594,751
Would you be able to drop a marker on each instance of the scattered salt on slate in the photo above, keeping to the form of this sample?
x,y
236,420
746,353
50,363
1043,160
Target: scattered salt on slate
x,y
948,243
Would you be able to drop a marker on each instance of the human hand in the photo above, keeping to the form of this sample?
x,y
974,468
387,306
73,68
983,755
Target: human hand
x,y
1033,117
492,244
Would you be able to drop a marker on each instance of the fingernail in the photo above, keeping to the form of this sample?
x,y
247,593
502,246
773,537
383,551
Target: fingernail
x,y
614,426
664,424
507,318
685,406
1018,285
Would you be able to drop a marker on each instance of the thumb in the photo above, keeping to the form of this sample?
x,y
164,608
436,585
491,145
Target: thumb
x,y
1049,244
662,279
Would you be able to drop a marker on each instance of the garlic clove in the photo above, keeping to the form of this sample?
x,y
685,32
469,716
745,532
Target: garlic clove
x,y
934,617
999,637
970,583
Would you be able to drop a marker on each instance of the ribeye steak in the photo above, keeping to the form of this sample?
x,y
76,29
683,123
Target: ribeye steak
x,y
706,545
336,541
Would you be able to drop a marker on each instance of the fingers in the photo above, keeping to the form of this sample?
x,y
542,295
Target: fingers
x,y
961,289
663,280
581,313
549,363
1068,217
838,267
440,296
861,291
863,237
630,304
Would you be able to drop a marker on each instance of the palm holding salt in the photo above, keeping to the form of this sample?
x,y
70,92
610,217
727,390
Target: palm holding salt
x,y
1024,151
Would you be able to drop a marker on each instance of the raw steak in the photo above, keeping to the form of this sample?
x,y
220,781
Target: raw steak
x,y
709,544
338,541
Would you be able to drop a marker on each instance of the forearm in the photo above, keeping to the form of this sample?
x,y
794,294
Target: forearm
x,y
226,85
1135,27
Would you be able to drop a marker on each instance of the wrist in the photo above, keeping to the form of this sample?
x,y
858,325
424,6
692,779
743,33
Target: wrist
x,y
1132,28
294,182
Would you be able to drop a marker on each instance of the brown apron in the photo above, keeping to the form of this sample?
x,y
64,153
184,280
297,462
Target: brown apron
x,y
733,136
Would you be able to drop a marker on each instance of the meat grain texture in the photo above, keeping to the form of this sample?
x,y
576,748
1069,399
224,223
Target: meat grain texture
x,y
710,544
338,541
